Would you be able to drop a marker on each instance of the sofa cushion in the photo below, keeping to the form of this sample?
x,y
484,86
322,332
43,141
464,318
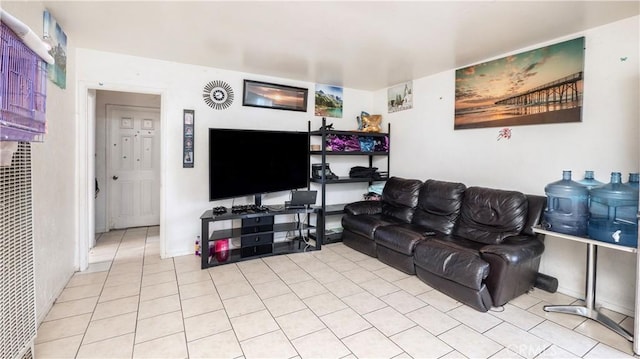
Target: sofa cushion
x,y
363,207
460,243
460,266
366,225
439,205
490,215
401,238
400,197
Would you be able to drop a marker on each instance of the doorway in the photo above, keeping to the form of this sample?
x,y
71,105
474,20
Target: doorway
x,y
89,144
127,160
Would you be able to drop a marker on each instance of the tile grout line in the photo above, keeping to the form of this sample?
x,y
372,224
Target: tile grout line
x,y
223,307
135,329
104,283
184,326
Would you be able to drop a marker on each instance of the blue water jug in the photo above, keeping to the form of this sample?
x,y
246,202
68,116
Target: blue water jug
x,y
567,208
634,180
589,180
613,209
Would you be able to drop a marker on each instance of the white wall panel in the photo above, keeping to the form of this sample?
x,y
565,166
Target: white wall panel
x,y
606,140
185,191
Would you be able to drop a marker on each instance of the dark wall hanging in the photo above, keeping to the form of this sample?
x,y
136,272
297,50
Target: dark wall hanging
x,y
188,118
281,97
218,95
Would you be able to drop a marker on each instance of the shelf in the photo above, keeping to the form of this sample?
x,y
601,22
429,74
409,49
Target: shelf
x,y
324,155
586,240
349,180
208,214
330,236
294,246
278,227
332,209
256,235
348,133
350,153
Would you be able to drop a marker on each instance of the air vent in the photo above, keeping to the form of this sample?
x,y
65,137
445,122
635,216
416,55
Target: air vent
x,y
17,298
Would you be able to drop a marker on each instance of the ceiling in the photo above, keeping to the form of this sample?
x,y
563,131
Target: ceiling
x,y
366,45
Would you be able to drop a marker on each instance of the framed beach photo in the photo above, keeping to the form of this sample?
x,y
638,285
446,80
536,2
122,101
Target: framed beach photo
x,y
535,87
280,97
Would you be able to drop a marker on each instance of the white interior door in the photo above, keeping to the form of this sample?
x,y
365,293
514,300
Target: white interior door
x,y
133,166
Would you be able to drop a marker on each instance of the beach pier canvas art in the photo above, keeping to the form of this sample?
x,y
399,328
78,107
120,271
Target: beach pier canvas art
x,y
534,87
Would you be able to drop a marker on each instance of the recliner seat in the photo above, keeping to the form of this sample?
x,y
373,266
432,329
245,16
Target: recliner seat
x,y
436,212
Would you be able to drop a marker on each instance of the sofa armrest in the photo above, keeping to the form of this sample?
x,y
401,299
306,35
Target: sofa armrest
x,y
363,207
513,267
515,249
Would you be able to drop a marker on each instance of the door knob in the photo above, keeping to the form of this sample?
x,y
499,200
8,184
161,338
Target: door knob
x,y
115,178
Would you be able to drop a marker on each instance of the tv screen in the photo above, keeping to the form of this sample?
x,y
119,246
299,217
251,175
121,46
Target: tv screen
x,y
253,162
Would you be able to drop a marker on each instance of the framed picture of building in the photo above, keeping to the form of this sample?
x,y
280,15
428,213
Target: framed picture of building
x,y
400,97
540,86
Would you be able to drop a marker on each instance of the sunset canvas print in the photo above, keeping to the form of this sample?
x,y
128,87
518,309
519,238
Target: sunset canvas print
x,y
534,87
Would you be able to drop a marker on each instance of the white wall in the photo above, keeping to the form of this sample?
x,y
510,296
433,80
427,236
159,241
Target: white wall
x,y
185,191
606,140
54,178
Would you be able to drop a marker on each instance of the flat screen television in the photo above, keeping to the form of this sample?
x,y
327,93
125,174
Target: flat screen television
x,y
254,162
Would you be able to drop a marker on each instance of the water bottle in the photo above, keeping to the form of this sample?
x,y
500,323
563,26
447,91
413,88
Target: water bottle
x,y
613,209
634,180
567,208
589,181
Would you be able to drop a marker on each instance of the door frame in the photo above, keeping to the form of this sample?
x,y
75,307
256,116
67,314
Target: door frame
x,y
108,157
85,160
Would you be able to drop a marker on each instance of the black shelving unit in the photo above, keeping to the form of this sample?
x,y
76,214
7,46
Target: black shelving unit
x,y
323,154
256,234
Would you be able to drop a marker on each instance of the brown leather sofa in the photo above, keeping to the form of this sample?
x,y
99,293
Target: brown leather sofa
x,y
474,244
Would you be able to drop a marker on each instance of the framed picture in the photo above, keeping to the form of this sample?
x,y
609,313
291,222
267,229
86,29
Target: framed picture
x,y
400,97
535,87
188,117
54,34
280,97
328,101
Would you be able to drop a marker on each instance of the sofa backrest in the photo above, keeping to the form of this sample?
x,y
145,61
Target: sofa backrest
x,y
490,215
400,198
439,205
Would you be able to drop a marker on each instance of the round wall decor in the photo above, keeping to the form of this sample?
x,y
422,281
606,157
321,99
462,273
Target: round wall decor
x,y
218,95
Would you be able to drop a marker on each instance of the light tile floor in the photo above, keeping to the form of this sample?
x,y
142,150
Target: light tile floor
x,y
333,303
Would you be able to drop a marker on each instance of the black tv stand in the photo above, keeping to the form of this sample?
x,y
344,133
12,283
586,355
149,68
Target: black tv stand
x,y
249,208
256,233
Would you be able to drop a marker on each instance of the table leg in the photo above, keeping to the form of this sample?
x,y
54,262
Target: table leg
x,y
588,310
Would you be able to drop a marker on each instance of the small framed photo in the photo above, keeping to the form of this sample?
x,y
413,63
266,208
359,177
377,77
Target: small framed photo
x,y
188,118
187,138
280,97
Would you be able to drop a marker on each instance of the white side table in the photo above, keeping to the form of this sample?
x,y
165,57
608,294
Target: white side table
x,y
589,310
